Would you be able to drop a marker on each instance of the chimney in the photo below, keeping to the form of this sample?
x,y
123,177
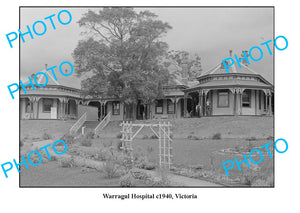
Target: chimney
x,y
230,53
46,66
222,64
242,56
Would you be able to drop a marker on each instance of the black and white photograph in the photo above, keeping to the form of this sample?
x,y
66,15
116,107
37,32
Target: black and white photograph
x,y
146,96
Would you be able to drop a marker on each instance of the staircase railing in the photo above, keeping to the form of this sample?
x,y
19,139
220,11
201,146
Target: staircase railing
x,y
78,123
103,123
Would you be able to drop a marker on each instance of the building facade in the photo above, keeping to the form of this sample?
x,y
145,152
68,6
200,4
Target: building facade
x,y
242,91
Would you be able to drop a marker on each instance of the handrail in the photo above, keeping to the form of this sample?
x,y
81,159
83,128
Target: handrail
x,y
78,123
103,123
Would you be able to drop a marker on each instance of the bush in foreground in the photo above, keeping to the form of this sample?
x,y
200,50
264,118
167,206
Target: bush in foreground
x,y
67,162
111,169
216,136
136,177
68,138
85,141
46,136
119,135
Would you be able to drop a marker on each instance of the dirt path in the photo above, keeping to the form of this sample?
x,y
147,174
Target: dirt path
x,y
191,182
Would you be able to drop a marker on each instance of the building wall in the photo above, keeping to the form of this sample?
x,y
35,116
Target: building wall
x,y
165,114
116,117
92,112
46,115
240,109
222,110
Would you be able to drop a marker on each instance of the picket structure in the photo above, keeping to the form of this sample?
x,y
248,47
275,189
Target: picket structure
x,y
163,132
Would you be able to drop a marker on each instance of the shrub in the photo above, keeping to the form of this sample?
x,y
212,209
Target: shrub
x,y
163,180
90,135
261,182
21,143
68,138
251,139
67,162
86,142
119,146
35,158
46,136
216,136
137,177
107,144
142,162
119,135
53,158
250,146
145,137
270,138
103,155
153,137
196,167
110,168
193,137
134,177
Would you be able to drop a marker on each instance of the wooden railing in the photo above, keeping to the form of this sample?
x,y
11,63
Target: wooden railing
x,y
103,123
78,124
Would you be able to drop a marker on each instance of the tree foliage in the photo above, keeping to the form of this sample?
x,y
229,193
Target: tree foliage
x,y
193,63
123,54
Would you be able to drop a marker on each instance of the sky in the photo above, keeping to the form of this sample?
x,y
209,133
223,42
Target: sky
x,y
208,32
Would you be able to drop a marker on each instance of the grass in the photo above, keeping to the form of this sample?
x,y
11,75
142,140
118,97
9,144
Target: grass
x,y
205,127
51,174
34,129
186,152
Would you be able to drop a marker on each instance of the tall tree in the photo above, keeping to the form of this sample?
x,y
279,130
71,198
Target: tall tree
x,y
183,58
124,52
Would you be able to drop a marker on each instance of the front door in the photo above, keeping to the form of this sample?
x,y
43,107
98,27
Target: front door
x,y
53,113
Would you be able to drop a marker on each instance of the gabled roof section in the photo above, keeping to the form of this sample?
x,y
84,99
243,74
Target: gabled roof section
x,y
219,68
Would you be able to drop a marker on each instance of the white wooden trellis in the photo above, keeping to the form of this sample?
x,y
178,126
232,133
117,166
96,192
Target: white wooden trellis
x,y
163,134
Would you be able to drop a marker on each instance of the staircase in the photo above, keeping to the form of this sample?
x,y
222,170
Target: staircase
x,y
102,124
89,126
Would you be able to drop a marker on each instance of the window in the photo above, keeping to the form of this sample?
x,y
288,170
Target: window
x,y
170,107
223,98
116,108
28,106
47,104
246,98
159,106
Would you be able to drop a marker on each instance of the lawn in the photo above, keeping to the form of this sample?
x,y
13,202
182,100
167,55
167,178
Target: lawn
x,y
196,151
51,174
187,153
34,130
